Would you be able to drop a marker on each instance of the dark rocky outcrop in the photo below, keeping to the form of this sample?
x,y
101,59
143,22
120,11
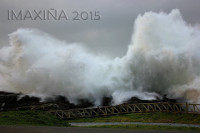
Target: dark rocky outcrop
x,y
17,101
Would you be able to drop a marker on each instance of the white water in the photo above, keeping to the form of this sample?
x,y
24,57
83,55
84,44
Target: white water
x,y
163,58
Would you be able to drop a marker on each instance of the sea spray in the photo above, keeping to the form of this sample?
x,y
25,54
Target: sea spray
x,y
163,58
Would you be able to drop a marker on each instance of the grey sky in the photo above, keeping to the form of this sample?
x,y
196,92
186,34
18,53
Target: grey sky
x,y
110,35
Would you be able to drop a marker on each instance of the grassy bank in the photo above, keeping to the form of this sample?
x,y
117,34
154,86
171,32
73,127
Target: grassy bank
x,y
40,118
34,118
148,127
147,117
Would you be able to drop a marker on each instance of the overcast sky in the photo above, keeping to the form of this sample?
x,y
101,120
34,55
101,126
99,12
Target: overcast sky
x,y
110,35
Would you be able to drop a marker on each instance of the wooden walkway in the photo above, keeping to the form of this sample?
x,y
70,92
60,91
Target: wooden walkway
x,y
127,108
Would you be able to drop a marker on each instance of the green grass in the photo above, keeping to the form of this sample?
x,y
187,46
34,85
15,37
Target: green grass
x,y
147,117
41,118
34,118
148,127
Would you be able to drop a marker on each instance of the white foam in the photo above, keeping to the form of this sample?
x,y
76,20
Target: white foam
x,y
162,57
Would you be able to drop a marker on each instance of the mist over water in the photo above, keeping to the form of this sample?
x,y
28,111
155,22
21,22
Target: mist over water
x,y
163,58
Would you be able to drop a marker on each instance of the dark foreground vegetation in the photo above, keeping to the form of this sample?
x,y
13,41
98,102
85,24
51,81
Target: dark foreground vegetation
x,y
33,118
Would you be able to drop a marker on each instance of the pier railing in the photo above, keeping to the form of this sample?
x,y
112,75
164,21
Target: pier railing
x,y
126,109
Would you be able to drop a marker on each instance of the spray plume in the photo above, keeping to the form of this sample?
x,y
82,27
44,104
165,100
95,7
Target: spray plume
x,y
162,58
